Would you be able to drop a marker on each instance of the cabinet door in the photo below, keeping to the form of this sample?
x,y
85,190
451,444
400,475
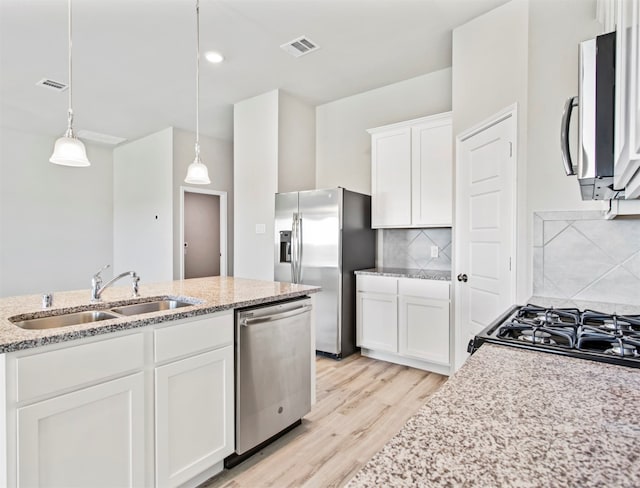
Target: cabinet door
x,y
431,170
634,82
424,329
91,437
627,109
194,415
391,178
377,321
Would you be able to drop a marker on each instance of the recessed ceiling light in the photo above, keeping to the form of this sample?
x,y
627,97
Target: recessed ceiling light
x,y
214,57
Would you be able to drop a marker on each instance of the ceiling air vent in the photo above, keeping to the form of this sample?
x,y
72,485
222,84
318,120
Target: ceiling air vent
x,y
52,84
300,46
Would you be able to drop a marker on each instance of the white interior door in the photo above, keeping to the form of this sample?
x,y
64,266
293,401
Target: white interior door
x,y
485,226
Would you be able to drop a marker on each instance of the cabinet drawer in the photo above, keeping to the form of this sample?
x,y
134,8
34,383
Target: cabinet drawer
x,y
438,290
188,338
45,373
377,284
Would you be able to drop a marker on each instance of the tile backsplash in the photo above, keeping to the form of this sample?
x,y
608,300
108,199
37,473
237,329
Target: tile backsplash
x,y
411,248
578,256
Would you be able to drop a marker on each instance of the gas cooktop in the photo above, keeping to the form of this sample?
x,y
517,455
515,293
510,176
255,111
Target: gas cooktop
x,y
585,334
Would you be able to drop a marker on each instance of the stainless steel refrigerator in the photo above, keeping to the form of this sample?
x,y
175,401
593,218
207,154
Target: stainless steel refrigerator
x,y
321,237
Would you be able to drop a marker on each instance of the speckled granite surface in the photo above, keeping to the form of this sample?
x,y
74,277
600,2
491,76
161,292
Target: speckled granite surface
x,y
516,418
208,295
423,274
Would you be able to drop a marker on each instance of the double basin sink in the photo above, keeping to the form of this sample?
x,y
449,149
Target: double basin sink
x,y
89,316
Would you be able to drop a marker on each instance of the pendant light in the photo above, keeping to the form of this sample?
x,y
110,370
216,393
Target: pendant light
x,y
197,173
69,150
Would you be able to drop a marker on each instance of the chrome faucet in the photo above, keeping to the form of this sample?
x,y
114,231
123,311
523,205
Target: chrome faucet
x,y
97,287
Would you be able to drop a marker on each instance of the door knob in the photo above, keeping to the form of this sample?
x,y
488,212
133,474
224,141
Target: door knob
x,y
462,277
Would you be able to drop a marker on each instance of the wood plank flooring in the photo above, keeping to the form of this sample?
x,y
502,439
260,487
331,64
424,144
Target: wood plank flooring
x,y
361,404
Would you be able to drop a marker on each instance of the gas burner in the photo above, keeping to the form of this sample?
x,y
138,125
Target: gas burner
x,y
536,337
624,350
555,317
617,323
612,324
546,318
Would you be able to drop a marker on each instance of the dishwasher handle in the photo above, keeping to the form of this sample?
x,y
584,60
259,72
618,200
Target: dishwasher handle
x,y
246,322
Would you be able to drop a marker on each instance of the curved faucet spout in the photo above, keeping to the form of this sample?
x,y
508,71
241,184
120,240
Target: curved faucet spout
x,y
97,287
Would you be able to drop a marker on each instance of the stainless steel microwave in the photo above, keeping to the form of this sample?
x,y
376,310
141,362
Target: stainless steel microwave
x,y
595,102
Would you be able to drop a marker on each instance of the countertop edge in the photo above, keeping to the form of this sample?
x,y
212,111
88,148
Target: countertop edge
x,y
421,274
66,334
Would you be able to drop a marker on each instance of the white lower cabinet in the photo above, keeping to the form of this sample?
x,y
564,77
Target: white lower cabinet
x,y
65,441
128,409
405,321
379,313
424,329
194,415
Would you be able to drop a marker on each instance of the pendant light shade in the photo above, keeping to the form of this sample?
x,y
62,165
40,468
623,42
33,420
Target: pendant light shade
x,y
197,173
69,150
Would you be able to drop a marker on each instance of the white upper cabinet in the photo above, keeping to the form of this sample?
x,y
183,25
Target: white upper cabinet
x,y
627,121
411,164
391,178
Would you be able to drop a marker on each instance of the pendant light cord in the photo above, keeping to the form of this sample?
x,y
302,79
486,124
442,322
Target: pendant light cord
x,y
198,80
70,113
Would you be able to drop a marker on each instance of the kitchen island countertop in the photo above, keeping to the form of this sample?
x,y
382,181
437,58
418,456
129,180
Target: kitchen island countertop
x,y
208,295
423,274
512,417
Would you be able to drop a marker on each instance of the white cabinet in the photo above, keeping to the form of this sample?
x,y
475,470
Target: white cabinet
x,y
411,173
391,177
130,409
77,414
627,110
66,440
194,415
404,320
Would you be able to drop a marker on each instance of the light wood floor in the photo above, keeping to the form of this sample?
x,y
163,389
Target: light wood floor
x,y
361,404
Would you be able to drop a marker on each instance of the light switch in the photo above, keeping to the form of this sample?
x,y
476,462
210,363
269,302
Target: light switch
x,y
261,228
434,251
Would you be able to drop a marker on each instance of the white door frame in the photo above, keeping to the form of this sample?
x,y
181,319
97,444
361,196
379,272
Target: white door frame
x,y
223,225
508,112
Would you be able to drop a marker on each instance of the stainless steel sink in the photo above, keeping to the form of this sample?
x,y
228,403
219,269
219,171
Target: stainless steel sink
x,y
88,316
149,307
65,320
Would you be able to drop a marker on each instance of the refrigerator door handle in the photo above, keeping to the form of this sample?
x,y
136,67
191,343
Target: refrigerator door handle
x,y
294,233
299,243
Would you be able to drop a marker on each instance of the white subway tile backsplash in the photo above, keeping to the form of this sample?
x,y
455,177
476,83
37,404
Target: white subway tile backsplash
x,y
580,257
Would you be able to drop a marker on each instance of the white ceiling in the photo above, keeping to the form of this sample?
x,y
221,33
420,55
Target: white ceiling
x,y
134,60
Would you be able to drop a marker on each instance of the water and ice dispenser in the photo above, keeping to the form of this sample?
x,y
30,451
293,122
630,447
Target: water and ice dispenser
x,y
285,246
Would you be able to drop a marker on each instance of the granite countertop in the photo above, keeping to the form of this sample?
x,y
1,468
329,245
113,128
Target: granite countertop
x,y
423,274
207,294
513,417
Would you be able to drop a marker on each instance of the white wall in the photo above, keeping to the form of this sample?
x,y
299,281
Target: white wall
x,y
55,221
296,144
526,51
255,163
343,147
217,155
490,73
143,207
553,77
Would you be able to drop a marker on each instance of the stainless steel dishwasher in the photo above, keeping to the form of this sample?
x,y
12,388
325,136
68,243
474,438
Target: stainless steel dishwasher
x,y
273,372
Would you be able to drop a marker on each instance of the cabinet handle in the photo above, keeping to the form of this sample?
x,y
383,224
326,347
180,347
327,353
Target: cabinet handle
x,y
463,277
